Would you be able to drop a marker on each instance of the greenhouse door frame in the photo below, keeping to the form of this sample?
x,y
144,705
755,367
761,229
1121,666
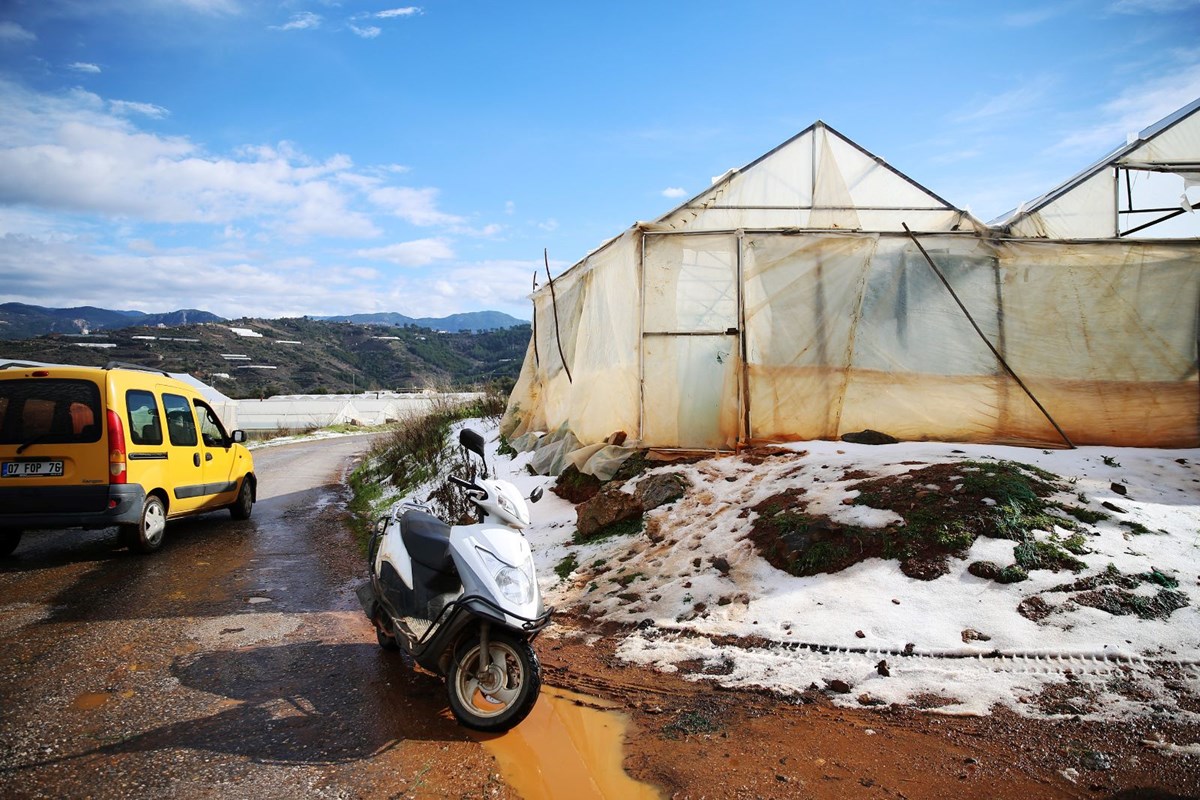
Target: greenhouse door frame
x,y
740,371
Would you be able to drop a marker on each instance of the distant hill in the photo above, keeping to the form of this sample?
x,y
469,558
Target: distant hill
x,y
259,358
470,321
21,321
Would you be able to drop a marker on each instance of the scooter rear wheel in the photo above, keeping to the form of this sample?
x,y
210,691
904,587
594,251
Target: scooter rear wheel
x,y
499,697
386,640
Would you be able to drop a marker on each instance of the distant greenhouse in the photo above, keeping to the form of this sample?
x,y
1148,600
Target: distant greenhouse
x,y
302,412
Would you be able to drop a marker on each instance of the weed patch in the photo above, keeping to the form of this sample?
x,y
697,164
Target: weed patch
x,y
416,451
626,527
944,507
565,567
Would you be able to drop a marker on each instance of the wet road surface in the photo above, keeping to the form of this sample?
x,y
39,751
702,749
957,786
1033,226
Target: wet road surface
x,y
232,663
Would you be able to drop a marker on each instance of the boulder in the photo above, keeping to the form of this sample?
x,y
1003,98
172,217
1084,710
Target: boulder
x,y
658,490
869,437
609,506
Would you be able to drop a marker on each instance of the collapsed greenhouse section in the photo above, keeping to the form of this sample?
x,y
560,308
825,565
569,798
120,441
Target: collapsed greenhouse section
x,y
818,292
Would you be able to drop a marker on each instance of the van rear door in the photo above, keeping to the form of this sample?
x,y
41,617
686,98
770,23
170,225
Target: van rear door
x,y
53,457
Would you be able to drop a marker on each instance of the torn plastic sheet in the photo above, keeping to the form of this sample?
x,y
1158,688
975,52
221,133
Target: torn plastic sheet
x,y
553,452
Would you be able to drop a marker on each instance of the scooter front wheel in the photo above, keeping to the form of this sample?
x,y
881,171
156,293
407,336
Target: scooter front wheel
x,y
499,697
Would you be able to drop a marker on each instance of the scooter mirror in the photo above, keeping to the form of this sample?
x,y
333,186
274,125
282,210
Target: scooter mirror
x,y
472,441
535,495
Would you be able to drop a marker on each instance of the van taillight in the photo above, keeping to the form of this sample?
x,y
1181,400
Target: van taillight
x,y
116,449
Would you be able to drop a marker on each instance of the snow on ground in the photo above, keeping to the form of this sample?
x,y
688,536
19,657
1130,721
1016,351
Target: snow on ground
x,y
751,625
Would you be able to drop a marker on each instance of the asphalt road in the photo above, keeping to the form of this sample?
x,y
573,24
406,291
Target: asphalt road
x,y
232,663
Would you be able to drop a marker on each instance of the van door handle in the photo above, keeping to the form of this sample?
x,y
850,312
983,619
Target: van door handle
x,y
208,456
196,459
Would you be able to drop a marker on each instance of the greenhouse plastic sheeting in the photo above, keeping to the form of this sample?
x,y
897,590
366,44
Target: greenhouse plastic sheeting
x,y
795,299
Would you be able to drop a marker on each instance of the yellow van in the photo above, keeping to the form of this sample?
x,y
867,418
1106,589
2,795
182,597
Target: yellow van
x,y
91,447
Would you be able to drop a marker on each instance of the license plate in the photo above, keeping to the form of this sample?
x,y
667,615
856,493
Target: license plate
x,y
31,469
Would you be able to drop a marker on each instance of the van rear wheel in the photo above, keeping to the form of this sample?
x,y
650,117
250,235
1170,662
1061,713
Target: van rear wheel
x,y
146,535
9,539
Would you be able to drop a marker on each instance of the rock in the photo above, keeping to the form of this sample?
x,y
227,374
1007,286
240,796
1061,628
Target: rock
x,y
573,486
837,686
721,564
865,699
658,490
1118,488
609,506
1096,760
972,635
860,634
882,669
1034,608
869,437
1113,507
909,648
987,570
925,568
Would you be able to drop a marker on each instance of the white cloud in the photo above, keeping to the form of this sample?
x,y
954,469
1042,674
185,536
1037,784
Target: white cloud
x,y
207,6
392,13
14,33
1152,6
1020,100
418,253
305,20
127,107
510,207
369,32
1135,109
83,66
674,191
1029,19
64,153
414,205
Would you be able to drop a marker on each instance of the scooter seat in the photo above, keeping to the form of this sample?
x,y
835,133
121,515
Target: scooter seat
x,y
427,540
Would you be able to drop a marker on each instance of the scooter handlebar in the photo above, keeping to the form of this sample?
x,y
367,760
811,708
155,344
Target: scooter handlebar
x,y
457,481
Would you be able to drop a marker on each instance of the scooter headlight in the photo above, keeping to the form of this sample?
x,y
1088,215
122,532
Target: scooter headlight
x,y
514,584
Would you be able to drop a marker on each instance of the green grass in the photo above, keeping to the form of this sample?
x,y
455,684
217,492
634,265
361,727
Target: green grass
x,y
565,567
628,527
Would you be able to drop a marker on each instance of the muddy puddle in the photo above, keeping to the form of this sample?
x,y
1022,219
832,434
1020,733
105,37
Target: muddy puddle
x,y
570,745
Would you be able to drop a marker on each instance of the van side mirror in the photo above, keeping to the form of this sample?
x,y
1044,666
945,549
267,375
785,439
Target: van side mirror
x,y
536,494
238,436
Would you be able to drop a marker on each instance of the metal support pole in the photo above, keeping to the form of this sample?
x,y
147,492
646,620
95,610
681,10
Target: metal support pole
x,y
554,302
537,361
991,347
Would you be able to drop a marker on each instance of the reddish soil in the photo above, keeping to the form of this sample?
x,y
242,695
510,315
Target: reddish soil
x,y
693,739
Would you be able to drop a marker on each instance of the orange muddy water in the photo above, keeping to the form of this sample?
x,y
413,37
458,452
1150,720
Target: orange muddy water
x,y
570,745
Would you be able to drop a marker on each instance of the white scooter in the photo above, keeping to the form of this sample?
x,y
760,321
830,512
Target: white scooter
x,y
463,600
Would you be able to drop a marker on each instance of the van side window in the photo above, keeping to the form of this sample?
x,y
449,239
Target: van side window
x,y
145,426
211,429
181,426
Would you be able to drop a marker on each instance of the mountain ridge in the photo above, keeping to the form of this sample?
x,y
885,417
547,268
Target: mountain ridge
x,y
24,321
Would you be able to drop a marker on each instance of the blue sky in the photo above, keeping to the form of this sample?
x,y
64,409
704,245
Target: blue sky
x,y
304,157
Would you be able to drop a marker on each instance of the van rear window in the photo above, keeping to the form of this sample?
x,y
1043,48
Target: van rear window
x,y
49,410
